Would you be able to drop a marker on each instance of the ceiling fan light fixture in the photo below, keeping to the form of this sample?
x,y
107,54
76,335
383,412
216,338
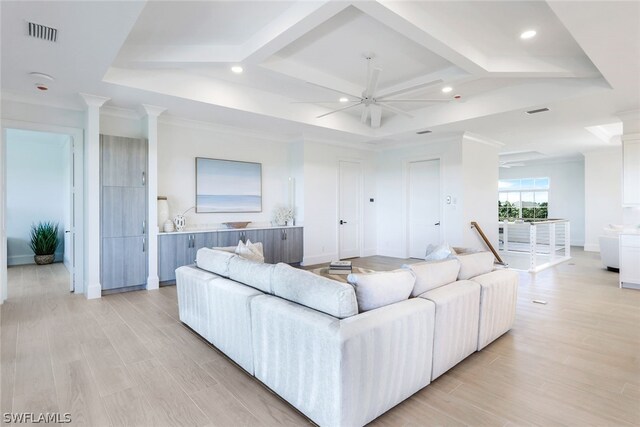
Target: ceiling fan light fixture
x,y
528,34
447,89
237,69
343,99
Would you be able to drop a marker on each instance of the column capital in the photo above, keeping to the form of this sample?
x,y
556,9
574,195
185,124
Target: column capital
x,y
630,121
153,110
93,100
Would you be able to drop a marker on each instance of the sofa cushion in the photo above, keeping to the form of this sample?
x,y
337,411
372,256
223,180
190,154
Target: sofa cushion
x,y
303,287
214,261
475,264
433,274
375,290
251,273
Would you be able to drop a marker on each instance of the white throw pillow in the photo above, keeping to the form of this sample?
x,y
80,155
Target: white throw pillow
x,y
439,252
433,274
251,251
475,264
375,290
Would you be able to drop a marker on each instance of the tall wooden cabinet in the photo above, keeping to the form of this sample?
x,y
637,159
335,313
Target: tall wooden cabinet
x,y
123,212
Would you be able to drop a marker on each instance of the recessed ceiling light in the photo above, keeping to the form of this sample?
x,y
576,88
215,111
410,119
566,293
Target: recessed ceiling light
x,y
447,89
344,99
529,34
237,69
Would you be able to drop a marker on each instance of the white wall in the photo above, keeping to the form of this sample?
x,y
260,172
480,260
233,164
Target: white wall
x,y
603,193
392,194
566,190
37,188
480,194
321,190
178,146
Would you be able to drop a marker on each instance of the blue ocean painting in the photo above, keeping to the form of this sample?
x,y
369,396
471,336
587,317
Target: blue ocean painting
x,y
228,186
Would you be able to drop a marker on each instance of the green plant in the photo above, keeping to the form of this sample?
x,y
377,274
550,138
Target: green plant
x,y
44,238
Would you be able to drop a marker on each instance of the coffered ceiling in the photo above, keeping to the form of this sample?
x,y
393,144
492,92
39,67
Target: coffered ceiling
x,y
179,54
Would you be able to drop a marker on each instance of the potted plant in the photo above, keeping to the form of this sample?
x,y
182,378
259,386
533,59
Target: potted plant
x,y
44,242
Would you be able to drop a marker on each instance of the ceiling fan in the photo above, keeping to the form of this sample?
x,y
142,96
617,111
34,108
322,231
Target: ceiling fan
x,y
507,165
372,101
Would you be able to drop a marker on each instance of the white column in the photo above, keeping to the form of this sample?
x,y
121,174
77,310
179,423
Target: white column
x,y
151,122
92,286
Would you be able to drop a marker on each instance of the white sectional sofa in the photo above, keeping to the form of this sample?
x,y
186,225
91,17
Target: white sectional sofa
x,y
303,336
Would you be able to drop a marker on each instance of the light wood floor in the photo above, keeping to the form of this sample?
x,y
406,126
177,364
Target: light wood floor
x,y
127,360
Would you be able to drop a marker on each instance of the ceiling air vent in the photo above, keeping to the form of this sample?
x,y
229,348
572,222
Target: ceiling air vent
x,y
539,110
422,132
42,32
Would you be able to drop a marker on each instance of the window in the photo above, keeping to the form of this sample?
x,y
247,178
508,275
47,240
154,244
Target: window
x,y
526,198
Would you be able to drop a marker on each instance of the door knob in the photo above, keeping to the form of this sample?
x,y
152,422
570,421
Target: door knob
x,y
342,222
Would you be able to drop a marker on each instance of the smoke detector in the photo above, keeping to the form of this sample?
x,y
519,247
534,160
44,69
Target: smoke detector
x,y
41,80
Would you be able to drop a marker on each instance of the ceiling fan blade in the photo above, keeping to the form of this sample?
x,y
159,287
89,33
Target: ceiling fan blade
x,y
339,109
323,102
365,114
335,90
415,100
395,110
376,115
372,82
409,89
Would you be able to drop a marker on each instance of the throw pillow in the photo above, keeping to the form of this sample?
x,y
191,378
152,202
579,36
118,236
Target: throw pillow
x,y
439,252
250,251
375,290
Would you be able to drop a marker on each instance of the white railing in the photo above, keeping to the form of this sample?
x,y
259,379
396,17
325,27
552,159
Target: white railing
x,y
544,243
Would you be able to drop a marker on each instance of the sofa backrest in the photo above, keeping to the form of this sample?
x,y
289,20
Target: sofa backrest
x,y
475,264
319,293
433,274
215,261
251,273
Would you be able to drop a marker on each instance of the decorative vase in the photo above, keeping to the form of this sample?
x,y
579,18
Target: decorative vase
x,y
180,221
44,259
163,211
168,226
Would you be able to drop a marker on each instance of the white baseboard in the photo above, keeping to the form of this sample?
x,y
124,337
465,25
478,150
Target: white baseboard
x,y
28,259
153,283
369,252
319,259
94,291
592,247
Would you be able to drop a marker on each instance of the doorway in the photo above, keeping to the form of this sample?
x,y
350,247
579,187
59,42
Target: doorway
x,y
423,206
41,182
349,209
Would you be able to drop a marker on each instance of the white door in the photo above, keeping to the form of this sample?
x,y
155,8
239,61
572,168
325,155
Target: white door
x,y
349,209
424,206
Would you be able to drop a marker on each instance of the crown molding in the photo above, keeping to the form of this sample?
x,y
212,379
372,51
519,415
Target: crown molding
x,y
75,106
119,112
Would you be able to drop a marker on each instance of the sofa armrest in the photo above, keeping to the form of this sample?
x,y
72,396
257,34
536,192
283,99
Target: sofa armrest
x,y
342,372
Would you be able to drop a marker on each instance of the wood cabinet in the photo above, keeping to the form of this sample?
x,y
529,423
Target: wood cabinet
x,y
123,212
178,249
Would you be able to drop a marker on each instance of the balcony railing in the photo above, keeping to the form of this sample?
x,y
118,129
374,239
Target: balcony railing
x,y
535,245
